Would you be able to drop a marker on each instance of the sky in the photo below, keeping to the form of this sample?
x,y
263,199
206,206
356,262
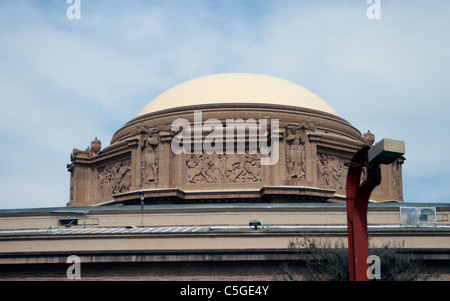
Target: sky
x,y
65,81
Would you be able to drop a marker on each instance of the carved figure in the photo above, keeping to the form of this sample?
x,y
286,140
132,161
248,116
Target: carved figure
x,y
149,163
331,171
198,166
114,178
252,166
295,156
76,152
123,177
223,168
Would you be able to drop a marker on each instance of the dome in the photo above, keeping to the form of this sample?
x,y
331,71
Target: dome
x,y
173,154
237,88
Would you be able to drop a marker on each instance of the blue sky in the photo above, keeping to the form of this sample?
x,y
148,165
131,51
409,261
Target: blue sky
x,y
64,82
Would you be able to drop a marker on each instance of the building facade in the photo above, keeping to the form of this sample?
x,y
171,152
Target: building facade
x,y
203,241
213,180
236,116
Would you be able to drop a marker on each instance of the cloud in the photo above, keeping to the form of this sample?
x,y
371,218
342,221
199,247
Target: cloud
x,y
64,82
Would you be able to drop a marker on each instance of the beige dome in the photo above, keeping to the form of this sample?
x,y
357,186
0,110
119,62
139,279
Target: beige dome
x,y
237,88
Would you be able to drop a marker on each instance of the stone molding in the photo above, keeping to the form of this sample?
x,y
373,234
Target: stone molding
x,y
313,148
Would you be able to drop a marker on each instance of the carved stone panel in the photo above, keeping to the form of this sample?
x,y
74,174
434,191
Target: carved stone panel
x,y
149,161
331,172
114,178
223,168
295,153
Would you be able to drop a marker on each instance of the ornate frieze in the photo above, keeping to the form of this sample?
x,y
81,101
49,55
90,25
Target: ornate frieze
x,y
331,171
114,178
313,148
223,168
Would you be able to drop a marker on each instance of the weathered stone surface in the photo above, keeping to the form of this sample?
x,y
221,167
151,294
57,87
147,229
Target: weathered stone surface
x,y
313,147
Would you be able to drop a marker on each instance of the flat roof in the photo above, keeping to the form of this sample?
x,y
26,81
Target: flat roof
x,y
207,229
93,209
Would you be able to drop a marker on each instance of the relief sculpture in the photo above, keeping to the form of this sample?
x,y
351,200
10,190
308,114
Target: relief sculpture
x,y
295,153
223,168
114,178
331,172
149,163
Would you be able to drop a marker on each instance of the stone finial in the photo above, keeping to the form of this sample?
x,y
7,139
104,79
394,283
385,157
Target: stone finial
x,y
369,138
96,146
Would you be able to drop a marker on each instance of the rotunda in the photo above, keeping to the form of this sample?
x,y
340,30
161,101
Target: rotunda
x,y
224,138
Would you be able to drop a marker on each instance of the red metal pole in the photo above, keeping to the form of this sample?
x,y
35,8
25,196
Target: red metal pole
x,y
357,202
360,236
353,180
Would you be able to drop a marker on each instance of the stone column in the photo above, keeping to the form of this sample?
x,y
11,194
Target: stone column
x,y
310,160
166,164
83,179
313,138
279,169
136,163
